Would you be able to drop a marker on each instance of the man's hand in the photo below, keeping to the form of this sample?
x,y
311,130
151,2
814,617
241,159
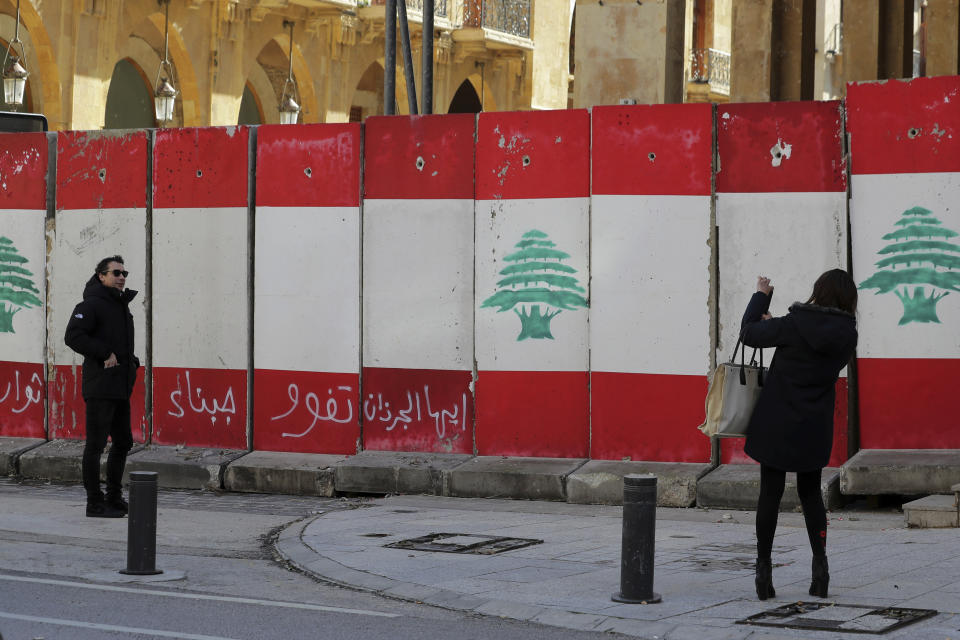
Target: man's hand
x,y
110,362
763,285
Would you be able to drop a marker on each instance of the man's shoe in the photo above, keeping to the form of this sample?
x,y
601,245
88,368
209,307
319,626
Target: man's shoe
x,y
119,504
103,510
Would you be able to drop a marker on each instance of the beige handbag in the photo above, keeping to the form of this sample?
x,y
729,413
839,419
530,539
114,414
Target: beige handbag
x,y
732,395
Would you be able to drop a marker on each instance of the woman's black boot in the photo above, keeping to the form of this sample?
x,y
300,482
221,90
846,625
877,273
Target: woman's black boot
x,y
764,579
821,577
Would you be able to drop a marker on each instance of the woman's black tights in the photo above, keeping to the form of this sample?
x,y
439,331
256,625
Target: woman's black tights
x,y
768,507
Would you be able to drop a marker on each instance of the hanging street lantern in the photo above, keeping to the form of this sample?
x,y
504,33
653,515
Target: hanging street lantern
x,y
165,93
14,73
289,109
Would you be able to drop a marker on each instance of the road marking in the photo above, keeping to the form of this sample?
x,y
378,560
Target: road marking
x,y
109,627
199,596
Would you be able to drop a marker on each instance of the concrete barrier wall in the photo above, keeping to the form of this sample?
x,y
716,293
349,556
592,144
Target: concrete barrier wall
x,y
650,312
905,212
23,209
101,211
475,285
781,212
200,306
307,289
418,284
532,279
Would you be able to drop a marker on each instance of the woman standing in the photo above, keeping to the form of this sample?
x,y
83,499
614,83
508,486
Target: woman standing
x,y
792,424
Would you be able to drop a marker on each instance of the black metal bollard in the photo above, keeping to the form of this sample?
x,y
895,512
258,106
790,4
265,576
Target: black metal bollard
x,y
639,526
142,525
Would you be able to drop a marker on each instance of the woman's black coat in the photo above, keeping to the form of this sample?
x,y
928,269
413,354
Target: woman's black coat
x,y
101,325
792,425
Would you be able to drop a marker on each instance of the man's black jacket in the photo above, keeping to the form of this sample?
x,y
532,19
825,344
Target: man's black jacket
x,y
100,325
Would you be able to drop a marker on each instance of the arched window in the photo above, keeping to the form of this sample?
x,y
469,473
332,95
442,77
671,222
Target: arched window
x,y
129,99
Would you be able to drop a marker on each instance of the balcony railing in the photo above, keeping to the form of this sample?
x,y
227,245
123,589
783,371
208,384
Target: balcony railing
x,y
510,17
711,66
506,16
439,6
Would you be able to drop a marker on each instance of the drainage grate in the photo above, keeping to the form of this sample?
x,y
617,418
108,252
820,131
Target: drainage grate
x,y
750,549
827,616
463,543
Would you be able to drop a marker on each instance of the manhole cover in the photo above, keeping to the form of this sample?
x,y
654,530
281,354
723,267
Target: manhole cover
x,y
828,616
463,543
736,547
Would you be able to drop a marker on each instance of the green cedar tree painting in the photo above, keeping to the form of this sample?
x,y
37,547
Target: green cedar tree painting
x,y
920,254
17,291
537,276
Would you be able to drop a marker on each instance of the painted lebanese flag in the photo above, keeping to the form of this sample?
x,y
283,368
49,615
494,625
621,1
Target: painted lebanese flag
x,y
781,212
418,284
23,209
905,220
650,290
307,289
532,280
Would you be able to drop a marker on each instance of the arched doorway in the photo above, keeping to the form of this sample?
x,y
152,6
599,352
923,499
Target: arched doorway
x,y
251,112
368,96
129,99
465,100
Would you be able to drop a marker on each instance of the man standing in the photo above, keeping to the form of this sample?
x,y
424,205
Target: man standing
x,y
101,330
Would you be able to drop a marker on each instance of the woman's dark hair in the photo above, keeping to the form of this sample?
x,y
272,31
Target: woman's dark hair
x,y
835,288
102,265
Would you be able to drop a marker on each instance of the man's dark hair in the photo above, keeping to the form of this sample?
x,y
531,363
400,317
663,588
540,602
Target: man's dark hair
x,y
102,265
835,288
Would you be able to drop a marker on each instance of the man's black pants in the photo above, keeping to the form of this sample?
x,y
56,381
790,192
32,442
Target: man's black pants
x,y
106,418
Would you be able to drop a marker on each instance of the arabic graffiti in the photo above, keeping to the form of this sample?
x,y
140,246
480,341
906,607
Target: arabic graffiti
x,y
31,392
381,411
227,406
375,409
312,403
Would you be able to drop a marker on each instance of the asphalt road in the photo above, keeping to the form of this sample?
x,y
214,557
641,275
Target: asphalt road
x,y
59,578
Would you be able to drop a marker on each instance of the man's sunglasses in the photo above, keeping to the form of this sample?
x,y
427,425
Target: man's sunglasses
x,y
116,273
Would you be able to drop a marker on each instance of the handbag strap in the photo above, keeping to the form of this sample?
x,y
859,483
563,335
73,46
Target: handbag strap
x,y
753,360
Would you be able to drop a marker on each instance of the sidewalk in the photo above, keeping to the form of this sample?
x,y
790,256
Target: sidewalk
x,y
704,566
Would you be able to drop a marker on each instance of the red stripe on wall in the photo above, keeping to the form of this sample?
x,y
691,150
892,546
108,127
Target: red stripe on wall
x,y
533,413
308,165
306,411
200,167
662,149
21,400
98,170
533,154
731,449
904,126
649,417
419,156
67,414
747,135
423,410
200,407
23,171
908,403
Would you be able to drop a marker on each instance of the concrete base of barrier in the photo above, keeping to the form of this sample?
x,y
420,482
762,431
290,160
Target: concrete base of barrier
x,y
737,486
396,472
306,474
184,468
519,478
601,481
932,512
59,461
900,471
10,451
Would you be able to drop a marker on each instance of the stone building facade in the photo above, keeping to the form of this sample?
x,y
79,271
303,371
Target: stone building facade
x,y
93,63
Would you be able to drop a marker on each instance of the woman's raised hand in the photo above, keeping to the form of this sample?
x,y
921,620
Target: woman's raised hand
x,y
763,285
